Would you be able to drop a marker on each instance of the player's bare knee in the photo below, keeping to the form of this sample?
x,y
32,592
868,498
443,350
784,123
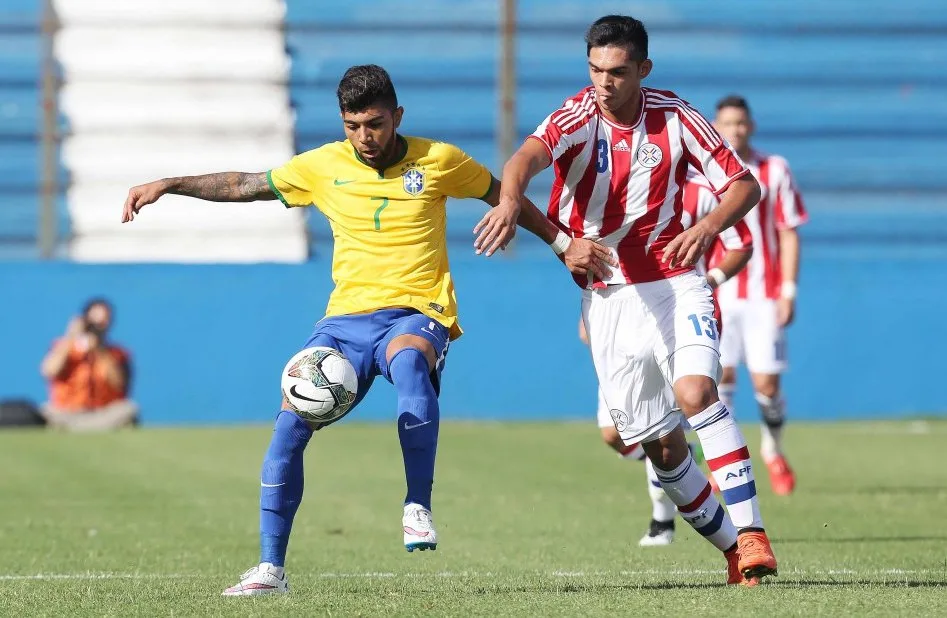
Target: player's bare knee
x,y
694,394
766,385
416,342
728,375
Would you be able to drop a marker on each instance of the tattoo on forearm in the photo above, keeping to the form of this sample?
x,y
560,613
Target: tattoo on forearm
x,y
224,187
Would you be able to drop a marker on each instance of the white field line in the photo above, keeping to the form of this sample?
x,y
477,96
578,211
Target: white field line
x,y
470,574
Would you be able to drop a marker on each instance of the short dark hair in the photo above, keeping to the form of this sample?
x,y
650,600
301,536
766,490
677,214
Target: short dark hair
x,y
621,31
365,85
734,100
95,301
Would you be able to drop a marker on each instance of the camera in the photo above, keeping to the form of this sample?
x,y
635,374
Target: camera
x,y
93,329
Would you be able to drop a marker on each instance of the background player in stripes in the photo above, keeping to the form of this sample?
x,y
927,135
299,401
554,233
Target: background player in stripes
x,y
729,253
760,302
620,154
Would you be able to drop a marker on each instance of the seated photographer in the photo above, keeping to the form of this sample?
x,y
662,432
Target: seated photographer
x,y
89,376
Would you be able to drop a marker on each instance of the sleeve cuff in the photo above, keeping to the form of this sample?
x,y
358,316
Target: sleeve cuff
x,y
269,181
732,180
543,142
493,183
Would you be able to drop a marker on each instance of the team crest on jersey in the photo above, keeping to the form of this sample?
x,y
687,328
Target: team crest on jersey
x,y
413,181
620,419
649,155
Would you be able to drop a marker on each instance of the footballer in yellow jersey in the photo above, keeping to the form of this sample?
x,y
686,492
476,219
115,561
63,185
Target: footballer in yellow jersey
x,y
393,311
389,224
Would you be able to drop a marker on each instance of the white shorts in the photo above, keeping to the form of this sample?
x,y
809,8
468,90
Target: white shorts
x,y
643,338
602,415
752,335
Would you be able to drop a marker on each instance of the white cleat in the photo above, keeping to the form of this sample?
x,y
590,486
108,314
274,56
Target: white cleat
x,y
658,534
419,532
263,579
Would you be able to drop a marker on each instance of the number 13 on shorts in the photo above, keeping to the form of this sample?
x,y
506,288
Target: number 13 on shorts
x,y
704,325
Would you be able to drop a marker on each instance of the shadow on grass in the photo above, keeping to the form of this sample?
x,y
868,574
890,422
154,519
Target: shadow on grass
x,y
862,539
574,588
893,490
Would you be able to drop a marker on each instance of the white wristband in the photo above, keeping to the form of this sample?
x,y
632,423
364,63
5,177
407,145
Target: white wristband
x,y
788,290
561,243
718,276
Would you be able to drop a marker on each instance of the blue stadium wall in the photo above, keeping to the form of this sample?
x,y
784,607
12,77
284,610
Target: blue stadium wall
x,y
210,341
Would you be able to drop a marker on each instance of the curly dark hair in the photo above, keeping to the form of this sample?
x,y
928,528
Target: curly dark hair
x,y
365,85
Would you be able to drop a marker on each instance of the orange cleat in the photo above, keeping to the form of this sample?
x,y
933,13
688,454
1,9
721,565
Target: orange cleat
x,y
781,476
734,576
756,556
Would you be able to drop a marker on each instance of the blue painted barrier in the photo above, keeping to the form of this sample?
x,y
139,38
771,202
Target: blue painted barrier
x,y
210,341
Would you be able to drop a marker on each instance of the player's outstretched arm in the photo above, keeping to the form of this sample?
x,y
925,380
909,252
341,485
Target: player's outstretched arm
x,y
221,187
742,195
580,255
498,226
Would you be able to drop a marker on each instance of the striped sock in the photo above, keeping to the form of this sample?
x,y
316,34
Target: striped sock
x,y
662,508
729,461
688,488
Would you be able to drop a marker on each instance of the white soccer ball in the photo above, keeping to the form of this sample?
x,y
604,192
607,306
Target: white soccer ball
x,y
320,384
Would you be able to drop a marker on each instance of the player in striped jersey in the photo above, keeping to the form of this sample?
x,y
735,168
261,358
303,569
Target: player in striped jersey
x,y
728,255
620,154
760,302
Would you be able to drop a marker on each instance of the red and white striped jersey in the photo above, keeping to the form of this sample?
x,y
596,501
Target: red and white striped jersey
x,y
780,208
699,200
622,185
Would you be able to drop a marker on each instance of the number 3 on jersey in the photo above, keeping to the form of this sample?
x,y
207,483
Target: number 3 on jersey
x,y
709,322
384,204
601,161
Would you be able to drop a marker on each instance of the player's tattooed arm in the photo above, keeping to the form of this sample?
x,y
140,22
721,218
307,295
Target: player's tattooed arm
x,y
221,187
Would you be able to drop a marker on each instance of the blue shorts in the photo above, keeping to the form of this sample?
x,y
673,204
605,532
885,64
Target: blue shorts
x,y
363,338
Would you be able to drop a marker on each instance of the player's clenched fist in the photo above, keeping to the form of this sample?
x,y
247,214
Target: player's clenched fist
x,y
141,196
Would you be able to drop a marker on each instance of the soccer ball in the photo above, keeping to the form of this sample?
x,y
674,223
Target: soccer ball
x,y
320,384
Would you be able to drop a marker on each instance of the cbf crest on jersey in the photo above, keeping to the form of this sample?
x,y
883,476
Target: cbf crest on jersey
x,y
413,181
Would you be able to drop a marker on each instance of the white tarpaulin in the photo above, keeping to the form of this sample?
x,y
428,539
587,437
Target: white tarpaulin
x,y
176,88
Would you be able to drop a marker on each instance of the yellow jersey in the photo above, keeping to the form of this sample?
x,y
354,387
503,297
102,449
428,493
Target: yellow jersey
x,y
389,225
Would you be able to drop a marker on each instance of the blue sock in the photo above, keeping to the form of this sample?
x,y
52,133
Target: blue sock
x,y
281,485
418,421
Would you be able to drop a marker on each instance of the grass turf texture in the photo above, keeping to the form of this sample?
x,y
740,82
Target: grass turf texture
x,y
534,519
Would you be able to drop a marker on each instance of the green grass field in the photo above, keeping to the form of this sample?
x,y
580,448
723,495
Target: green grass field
x,y
534,519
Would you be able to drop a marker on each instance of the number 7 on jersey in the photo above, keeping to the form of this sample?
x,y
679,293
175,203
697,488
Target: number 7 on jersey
x,y
384,204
